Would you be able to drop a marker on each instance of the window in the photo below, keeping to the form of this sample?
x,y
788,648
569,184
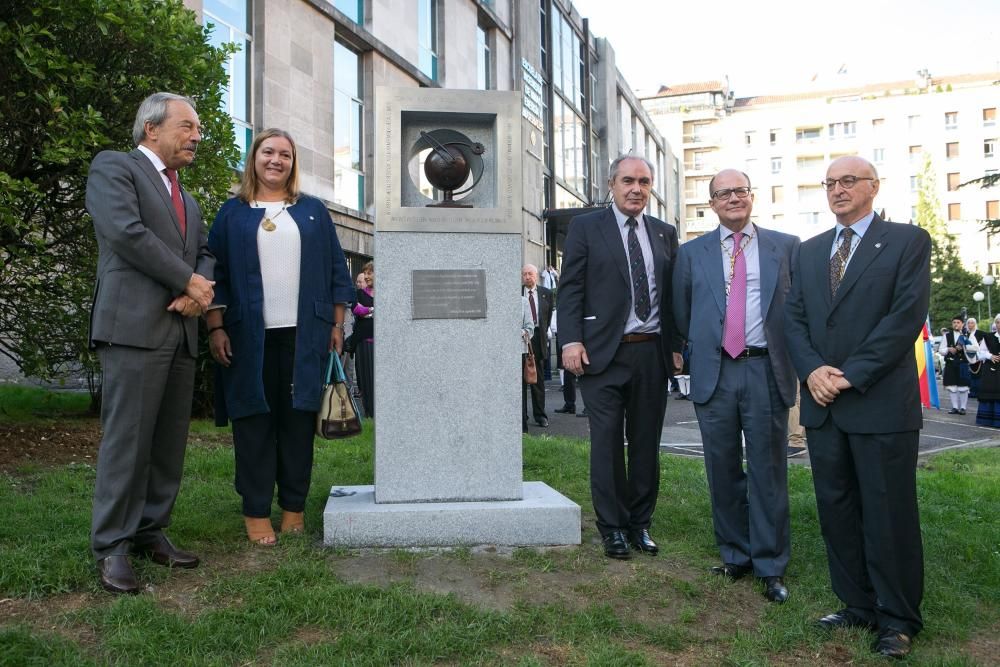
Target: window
x,y
348,111
846,130
951,150
807,134
353,9
914,183
953,181
776,165
989,147
992,210
915,154
749,137
913,213
427,37
543,33
228,23
484,59
913,122
951,120
878,155
878,124
809,217
954,211
774,137
989,117
777,194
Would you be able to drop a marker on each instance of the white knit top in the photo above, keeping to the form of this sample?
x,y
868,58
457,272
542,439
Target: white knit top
x,y
280,254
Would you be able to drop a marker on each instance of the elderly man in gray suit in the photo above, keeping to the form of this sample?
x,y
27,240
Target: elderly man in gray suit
x,y
729,301
151,287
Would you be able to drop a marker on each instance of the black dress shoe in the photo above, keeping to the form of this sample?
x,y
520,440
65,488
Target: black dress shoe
x,y
117,575
953,411
542,422
961,411
163,552
616,546
582,413
845,618
641,541
775,589
567,410
732,571
892,643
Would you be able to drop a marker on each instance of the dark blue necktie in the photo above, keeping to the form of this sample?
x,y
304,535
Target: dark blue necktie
x,y
637,266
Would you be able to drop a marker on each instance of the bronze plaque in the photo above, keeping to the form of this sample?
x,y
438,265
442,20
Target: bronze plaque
x,y
449,294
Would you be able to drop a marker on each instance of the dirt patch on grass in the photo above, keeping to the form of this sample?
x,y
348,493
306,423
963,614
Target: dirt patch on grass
x,y
47,445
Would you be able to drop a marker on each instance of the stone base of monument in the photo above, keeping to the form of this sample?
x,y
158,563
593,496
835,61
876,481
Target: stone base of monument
x,y
542,517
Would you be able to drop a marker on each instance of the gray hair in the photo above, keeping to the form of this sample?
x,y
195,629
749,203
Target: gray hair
x,y
154,110
621,158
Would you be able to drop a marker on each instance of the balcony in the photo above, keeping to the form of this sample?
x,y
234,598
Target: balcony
x,y
702,139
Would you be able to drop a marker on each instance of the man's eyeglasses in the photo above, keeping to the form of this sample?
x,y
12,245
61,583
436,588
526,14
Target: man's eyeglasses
x,y
723,195
846,182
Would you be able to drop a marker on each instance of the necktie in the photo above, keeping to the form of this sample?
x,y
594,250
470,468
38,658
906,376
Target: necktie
x,y
531,302
175,197
637,267
734,340
839,260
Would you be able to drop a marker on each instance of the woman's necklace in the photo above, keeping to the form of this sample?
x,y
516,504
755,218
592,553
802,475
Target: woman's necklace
x,y
267,224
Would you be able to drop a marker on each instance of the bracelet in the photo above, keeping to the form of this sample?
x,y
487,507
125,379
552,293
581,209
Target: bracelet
x,y
339,325
212,330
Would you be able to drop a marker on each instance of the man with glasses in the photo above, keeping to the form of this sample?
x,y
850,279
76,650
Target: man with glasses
x,y
617,333
732,283
859,298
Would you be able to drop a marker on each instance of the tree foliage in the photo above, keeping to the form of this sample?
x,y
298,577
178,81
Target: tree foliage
x,y
952,284
74,74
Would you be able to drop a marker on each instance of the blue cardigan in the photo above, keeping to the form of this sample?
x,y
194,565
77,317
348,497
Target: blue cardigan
x,y
324,280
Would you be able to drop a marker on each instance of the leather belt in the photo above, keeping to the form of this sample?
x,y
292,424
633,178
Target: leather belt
x,y
750,352
639,338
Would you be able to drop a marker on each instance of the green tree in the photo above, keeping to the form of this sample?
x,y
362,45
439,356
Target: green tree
x,y
73,76
952,284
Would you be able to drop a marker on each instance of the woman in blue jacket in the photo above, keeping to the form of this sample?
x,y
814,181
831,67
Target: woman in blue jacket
x,y
281,287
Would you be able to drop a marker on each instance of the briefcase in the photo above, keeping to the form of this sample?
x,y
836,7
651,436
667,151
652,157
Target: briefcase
x,y
338,413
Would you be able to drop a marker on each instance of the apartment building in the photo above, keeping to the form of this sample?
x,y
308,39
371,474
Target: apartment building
x,y
312,67
785,142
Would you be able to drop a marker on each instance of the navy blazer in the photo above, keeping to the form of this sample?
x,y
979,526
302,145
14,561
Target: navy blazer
x,y
700,307
595,288
323,281
867,330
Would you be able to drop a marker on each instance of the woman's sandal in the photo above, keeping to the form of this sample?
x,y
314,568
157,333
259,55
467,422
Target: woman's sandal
x,y
292,522
260,531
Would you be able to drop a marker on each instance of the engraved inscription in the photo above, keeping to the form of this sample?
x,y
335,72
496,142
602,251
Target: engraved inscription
x,y
447,294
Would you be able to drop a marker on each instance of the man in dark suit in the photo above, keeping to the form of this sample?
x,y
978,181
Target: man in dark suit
x,y
859,298
617,333
732,283
151,286
540,303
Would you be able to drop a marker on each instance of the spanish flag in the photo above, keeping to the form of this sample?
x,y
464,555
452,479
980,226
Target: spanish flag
x,y
925,368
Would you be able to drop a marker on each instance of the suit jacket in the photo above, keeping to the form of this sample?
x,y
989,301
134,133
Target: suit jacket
x,y
595,292
143,263
700,298
867,330
544,308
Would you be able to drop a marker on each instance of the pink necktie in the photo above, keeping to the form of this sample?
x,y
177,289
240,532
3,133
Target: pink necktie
x,y
175,197
734,339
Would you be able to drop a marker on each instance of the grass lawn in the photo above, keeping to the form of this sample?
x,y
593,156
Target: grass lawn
x,y
301,604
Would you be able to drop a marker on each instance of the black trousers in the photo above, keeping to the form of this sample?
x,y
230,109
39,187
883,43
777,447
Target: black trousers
x,y
866,493
629,398
537,390
569,389
364,370
277,446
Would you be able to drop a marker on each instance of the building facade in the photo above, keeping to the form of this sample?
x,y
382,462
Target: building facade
x,y
785,142
312,67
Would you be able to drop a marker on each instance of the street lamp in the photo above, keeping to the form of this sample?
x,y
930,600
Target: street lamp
x,y
988,280
978,298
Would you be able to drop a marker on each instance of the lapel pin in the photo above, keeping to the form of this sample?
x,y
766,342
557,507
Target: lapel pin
x,y
878,245
311,218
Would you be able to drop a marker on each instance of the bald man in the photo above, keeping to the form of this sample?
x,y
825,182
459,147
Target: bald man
x,y
540,303
859,298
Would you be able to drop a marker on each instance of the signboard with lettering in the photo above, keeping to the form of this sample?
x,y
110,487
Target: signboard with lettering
x,y
448,294
534,91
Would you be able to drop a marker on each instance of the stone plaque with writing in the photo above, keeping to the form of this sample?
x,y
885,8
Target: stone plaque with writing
x,y
449,294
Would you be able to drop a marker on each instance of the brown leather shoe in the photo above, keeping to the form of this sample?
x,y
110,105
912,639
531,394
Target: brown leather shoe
x,y
117,575
162,552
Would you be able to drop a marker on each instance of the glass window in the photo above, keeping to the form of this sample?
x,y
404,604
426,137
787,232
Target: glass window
x,y
914,183
427,37
348,112
228,24
777,194
776,165
748,137
878,155
543,33
953,181
774,137
954,211
951,150
993,210
878,124
913,122
484,59
353,9
950,120
989,117
915,154
989,147
806,134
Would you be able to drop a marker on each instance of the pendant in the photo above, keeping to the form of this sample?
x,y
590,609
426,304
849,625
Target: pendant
x,y
268,225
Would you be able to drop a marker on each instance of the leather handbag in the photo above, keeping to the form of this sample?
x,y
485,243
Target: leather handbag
x,y
530,370
338,413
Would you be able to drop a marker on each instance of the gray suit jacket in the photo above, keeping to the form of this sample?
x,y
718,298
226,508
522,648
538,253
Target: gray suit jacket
x,y
143,263
700,299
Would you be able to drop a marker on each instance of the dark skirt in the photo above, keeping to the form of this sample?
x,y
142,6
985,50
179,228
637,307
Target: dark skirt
x,y
989,382
956,374
988,414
